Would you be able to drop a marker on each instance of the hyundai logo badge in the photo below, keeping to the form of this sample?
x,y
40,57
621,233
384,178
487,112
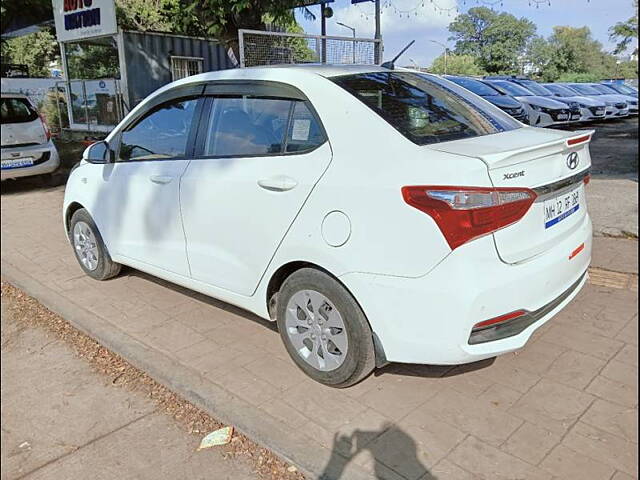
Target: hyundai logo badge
x,y
573,160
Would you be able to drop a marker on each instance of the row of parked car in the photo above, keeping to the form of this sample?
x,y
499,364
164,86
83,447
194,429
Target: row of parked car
x,y
550,104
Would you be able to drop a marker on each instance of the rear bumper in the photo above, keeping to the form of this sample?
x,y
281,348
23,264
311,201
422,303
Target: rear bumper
x,y
45,155
429,319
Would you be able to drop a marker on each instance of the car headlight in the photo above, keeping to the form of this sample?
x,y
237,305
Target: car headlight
x,y
582,105
537,108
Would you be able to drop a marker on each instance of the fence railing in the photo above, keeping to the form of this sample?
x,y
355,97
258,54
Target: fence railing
x,y
258,47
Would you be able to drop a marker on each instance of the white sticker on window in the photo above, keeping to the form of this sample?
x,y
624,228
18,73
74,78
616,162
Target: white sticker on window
x,y
301,129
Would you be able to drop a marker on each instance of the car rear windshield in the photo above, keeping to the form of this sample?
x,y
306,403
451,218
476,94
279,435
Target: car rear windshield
x,y
425,110
17,110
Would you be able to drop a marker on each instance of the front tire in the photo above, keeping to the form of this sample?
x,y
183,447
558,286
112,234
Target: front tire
x,y
324,329
89,248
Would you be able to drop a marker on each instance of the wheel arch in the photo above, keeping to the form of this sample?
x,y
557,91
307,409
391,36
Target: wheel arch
x,y
72,208
284,271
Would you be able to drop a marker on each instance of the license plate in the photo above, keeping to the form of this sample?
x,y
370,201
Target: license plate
x,y
600,112
563,116
575,117
16,163
560,207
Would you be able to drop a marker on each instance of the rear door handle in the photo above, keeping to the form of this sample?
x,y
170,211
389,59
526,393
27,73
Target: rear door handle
x,y
279,183
161,179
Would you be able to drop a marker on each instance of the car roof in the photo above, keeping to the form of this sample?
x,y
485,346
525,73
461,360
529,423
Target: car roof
x,y
324,69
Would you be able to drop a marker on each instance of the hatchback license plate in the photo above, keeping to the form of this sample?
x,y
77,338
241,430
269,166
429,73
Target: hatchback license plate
x,y
558,208
16,163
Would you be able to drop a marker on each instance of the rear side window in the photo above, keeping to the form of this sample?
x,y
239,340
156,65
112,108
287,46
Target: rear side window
x,y
305,132
422,110
160,134
17,110
252,126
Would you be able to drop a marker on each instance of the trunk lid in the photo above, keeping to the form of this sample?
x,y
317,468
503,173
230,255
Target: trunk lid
x,y
544,161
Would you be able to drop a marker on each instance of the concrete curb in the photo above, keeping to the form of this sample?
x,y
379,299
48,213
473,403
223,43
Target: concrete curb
x,y
265,430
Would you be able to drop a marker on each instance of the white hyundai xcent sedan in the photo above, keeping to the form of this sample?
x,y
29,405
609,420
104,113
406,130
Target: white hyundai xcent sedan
x,y
377,215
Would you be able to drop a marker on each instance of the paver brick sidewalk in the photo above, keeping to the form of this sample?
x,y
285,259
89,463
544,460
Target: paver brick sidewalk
x,y
563,407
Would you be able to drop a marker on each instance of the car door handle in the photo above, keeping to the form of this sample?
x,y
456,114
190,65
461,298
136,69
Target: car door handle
x,y
279,183
161,179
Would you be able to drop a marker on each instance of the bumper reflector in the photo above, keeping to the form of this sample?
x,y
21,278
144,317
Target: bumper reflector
x,y
516,322
576,251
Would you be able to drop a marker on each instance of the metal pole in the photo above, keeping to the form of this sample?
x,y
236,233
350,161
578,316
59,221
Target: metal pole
x,y
67,80
323,32
445,60
86,104
353,32
241,47
378,35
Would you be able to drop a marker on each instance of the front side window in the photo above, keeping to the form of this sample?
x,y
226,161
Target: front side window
x,y
160,134
424,110
250,126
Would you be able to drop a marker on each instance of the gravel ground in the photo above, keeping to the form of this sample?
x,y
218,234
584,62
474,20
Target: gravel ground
x,y
28,313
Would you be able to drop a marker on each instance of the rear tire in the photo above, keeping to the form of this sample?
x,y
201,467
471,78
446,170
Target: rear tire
x,y
89,248
313,304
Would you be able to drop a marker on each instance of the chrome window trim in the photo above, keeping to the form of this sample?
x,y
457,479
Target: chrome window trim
x,y
545,191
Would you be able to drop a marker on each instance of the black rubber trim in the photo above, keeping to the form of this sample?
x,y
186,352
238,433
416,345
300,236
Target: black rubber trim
x,y
254,88
516,326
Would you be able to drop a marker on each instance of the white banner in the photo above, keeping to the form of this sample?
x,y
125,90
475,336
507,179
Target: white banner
x,y
80,19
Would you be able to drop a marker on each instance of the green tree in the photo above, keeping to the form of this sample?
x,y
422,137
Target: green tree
x,y
569,52
156,15
624,32
36,50
456,65
223,18
497,40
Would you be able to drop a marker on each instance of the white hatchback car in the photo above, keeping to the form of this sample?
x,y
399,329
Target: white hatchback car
x,y
27,148
377,215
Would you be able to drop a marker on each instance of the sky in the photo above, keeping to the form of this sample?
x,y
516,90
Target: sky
x,y
426,20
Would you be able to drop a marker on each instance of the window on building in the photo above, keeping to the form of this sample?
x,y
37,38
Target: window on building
x,y
182,67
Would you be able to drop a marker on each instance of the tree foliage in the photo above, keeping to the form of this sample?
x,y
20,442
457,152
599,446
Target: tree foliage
x,y
456,65
496,40
36,50
570,51
624,32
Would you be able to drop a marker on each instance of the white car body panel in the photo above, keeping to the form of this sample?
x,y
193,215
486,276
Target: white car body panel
x,y
538,118
394,260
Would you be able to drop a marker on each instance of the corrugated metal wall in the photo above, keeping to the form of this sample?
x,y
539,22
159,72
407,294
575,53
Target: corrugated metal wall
x,y
147,57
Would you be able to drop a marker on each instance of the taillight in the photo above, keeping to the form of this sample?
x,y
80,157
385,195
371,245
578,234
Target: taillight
x,y
47,132
465,213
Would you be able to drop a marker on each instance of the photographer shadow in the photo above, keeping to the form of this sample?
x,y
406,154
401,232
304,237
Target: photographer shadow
x,y
392,448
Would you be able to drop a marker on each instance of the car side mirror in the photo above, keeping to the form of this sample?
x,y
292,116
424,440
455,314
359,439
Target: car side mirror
x,y
98,152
